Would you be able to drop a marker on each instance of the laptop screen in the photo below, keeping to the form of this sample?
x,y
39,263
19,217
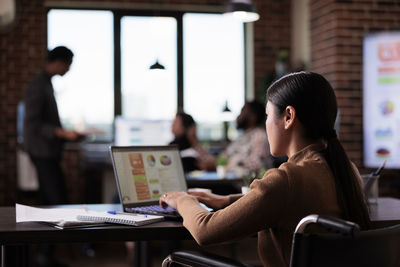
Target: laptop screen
x,y
144,173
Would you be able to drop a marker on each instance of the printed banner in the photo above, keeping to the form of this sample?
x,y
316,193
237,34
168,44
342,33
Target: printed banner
x,y
381,99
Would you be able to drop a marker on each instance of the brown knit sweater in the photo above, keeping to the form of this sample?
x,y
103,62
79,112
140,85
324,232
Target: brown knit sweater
x,y
276,203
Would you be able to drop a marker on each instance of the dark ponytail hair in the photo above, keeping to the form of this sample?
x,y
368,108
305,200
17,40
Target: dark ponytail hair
x,y
314,100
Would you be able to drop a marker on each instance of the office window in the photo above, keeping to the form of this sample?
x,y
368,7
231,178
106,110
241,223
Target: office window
x,y
210,47
213,68
148,94
85,94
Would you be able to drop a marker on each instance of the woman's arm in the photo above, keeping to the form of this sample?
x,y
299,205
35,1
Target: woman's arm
x,y
259,209
215,201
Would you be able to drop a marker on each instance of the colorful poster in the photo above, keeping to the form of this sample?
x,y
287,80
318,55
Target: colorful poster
x,y
381,99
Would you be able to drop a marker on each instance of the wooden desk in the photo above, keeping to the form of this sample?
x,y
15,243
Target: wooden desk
x,y
12,233
26,233
385,213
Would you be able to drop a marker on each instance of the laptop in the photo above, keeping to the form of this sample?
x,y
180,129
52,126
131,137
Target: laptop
x,y
144,173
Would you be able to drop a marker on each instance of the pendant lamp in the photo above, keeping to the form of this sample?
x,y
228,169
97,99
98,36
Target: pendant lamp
x,y
243,10
227,114
157,66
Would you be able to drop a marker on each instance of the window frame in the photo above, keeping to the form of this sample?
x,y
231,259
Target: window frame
x,y
178,15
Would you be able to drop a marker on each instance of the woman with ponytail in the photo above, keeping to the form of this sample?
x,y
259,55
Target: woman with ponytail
x,y
317,179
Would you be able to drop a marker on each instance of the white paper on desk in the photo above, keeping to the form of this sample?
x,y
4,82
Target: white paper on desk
x,y
61,217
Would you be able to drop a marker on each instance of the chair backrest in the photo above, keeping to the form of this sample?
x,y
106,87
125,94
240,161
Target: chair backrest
x,y
379,247
348,247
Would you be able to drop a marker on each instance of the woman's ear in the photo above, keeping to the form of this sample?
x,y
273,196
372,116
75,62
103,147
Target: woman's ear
x,y
290,116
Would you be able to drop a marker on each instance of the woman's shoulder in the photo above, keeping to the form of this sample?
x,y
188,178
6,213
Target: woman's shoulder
x,y
273,178
308,174
313,164
282,171
274,175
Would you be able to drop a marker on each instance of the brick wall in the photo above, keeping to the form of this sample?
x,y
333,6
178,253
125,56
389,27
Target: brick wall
x,y
271,35
337,30
22,50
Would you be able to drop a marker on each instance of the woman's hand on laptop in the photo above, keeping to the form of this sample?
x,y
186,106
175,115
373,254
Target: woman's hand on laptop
x,y
170,198
211,200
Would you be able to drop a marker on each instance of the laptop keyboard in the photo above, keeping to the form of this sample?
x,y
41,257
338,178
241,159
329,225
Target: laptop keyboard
x,y
153,209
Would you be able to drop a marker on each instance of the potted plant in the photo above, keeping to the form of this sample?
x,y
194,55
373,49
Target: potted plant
x,y
222,161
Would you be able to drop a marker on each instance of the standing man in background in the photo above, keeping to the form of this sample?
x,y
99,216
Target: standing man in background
x,y
44,138
43,133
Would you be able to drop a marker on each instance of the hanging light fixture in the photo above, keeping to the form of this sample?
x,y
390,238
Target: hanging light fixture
x,y
227,114
226,117
226,108
243,10
155,21
157,66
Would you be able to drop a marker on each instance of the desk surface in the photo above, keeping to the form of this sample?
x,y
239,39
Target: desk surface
x,y
385,213
33,232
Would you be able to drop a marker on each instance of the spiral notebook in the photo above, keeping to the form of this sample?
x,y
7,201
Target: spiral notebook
x,y
119,218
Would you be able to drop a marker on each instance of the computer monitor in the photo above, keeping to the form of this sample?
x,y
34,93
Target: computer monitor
x,y
141,132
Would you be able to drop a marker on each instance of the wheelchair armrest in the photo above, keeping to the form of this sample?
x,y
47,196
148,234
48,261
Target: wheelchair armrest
x,y
200,259
330,223
339,225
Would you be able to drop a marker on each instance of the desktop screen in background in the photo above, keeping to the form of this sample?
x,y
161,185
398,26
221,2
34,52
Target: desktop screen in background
x,y
136,132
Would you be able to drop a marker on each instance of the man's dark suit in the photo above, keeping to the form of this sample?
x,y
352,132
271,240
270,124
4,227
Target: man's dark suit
x,y
40,142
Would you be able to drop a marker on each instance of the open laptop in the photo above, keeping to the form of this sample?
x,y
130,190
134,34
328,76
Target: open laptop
x,y
144,173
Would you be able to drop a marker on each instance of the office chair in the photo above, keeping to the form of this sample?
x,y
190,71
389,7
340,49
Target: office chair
x,y
345,246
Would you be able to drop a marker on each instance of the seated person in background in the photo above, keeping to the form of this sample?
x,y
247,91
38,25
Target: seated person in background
x,y
194,157
250,152
318,178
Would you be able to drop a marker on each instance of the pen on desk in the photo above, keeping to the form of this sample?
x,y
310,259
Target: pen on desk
x,y
113,212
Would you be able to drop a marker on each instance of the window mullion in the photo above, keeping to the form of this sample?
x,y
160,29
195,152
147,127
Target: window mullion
x,y
180,61
117,64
